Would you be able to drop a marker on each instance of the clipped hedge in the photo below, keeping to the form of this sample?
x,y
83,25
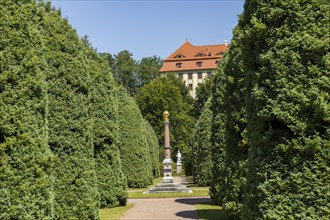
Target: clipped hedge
x,y
70,121
25,180
104,108
202,148
236,143
218,135
135,154
152,143
286,58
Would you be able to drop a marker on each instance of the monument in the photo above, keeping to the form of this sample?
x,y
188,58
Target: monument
x,y
167,185
167,150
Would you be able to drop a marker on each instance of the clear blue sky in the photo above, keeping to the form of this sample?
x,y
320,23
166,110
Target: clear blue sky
x,y
147,28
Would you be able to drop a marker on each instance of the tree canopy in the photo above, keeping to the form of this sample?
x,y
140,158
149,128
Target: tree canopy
x,y
168,93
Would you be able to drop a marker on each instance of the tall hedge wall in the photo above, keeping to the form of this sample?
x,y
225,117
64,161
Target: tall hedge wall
x,y
133,144
218,135
202,148
58,124
70,122
112,183
25,182
236,143
286,54
152,143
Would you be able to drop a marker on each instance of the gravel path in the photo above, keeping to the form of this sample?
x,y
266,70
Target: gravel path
x,y
165,208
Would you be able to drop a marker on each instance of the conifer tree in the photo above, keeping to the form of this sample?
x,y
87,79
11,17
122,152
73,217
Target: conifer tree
x,y
26,183
286,59
152,143
133,146
202,148
70,121
218,135
112,183
236,145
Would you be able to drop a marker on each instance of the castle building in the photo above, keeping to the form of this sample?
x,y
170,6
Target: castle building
x,y
192,63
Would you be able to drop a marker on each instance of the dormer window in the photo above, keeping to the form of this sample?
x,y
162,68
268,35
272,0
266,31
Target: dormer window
x,y
220,53
199,64
178,65
179,56
200,55
216,62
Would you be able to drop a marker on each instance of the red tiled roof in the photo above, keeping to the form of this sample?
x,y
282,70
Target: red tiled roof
x,y
209,55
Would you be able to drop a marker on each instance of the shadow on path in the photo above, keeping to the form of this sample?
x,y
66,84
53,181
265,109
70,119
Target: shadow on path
x,y
187,214
193,201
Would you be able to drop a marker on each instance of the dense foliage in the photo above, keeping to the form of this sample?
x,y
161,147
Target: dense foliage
x,y
130,73
26,189
60,124
273,93
202,148
203,93
104,108
218,135
135,153
286,56
169,93
236,147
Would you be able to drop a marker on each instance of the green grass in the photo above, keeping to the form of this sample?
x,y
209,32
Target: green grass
x,y
114,213
208,211
195,193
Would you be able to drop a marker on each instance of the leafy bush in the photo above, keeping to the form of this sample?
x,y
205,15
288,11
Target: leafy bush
x,y
112,183
169,93
202,148
286,59
26,183
70,121
133,147
152,143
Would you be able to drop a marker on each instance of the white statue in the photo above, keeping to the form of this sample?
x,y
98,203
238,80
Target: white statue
x,y
178,156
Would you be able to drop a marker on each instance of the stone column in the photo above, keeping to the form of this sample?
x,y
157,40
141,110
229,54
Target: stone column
x,y
167,157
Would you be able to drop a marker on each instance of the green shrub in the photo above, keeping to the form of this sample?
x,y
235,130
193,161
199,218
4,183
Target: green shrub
x,y
152,143
218,136
132,142
286,59
70,121
104,108
236,145
26,183
202,148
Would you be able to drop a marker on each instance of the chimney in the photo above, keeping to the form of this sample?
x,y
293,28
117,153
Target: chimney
x,y
226,42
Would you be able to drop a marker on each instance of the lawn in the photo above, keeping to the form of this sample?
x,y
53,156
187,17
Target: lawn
x,y
208,211
114,213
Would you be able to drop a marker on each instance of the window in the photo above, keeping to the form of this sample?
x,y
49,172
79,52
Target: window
x,y
200,55
199,64
180,75
179,56
200,75
209,74
178,65
189,75
216,62
190,87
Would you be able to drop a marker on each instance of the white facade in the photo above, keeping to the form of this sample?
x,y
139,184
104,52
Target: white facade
x,y
193,78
